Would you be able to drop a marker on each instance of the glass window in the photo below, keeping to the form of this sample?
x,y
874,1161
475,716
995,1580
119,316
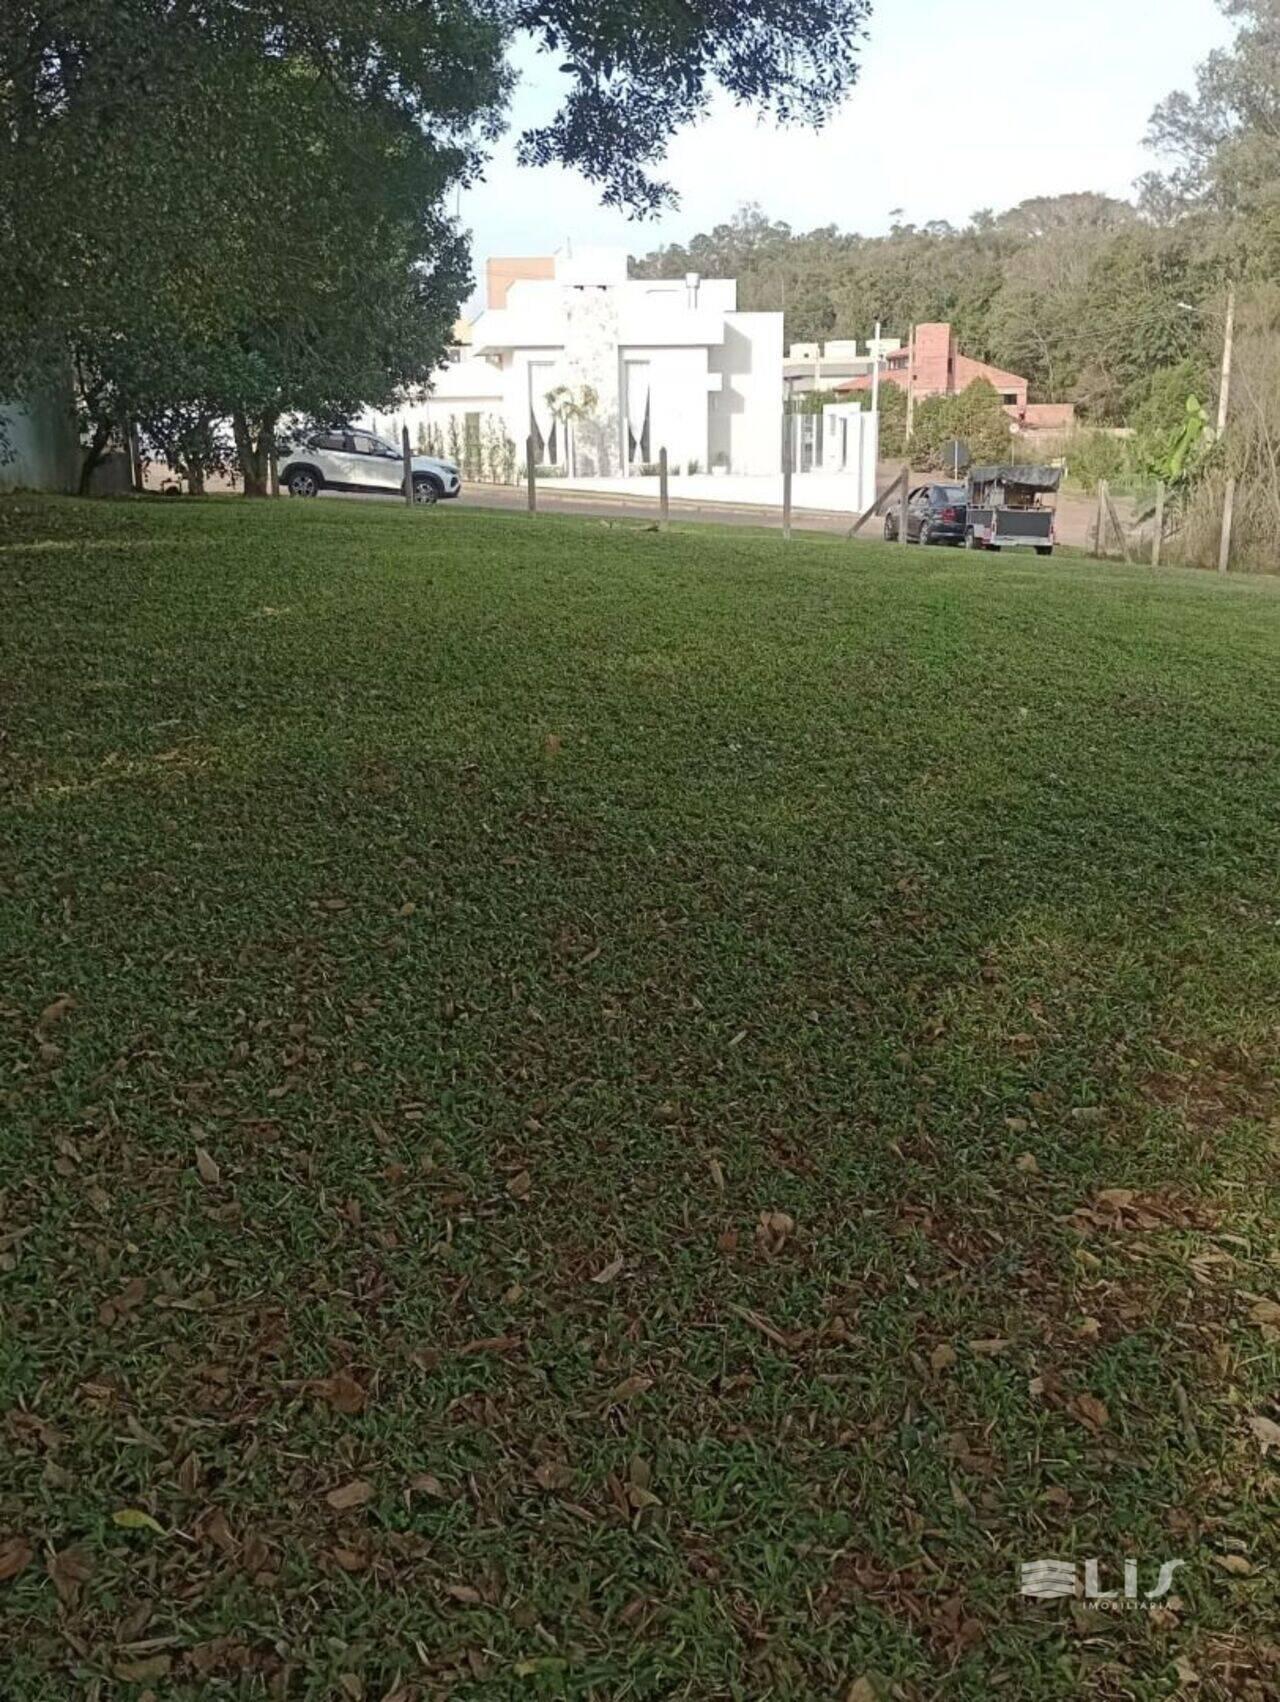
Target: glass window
x,y
363,444
328,440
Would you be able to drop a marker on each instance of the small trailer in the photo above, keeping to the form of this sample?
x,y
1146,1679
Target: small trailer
x,y
1006,508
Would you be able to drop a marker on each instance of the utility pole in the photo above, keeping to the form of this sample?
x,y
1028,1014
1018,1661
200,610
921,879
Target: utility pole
x,y
1228,352
875,371
911,383
1228,514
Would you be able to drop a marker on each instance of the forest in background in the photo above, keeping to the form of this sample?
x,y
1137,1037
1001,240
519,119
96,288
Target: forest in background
x,y
1118,306
1113,305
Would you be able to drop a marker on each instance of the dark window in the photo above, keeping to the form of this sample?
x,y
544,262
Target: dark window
x,y
328,440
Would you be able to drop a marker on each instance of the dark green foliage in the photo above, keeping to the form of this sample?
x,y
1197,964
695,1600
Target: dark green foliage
x,y
976,418
1071,291
893,418
240,210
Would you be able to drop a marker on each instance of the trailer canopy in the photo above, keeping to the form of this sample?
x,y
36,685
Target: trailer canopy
x,y
1030,478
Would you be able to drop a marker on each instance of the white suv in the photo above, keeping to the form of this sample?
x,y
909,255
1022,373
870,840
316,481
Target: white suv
x,y
358,461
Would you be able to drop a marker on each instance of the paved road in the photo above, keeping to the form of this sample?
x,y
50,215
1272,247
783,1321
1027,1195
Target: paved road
x,y
646,508
1075,512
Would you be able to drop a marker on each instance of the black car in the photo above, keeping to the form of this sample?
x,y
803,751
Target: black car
x,y
935,515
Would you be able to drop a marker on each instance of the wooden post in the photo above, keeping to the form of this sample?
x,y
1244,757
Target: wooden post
x,y
664,504
274,463
903,506
1100,525
1157,539
135,456
407,457
529,474
788,434
1118,528
1228,514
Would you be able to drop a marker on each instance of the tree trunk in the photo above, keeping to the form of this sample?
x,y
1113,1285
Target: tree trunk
x,y
92,455
253,453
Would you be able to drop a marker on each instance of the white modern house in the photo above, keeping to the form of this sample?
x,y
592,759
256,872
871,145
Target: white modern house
x,y
605,370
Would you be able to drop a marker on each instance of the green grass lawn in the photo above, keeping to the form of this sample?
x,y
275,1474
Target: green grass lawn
x,y
603,1115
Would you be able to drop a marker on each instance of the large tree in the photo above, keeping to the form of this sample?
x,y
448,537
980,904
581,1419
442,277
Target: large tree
x,y
1223,140
240,203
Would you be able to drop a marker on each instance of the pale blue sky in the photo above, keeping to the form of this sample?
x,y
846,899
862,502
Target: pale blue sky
x,y
958,106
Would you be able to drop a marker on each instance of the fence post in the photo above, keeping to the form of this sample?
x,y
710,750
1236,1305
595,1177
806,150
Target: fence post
x,y
1100,525
273,462
788,438
1157,541
529,474
408,463
1228,514
664,505
135,456
1118,528
903,505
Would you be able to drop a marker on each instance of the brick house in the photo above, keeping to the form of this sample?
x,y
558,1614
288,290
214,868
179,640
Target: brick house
x,y
941,370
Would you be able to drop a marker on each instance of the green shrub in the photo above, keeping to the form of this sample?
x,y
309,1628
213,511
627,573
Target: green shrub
x,y
975,417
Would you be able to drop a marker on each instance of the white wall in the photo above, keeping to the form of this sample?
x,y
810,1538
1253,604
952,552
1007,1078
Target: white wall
x,y
851,446
746,414
44,446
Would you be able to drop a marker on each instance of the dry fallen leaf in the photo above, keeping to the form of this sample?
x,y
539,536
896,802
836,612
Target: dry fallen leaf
x,y
426,1483
1265,1312
342,1392
943,1357
630,1387
519,1187
141,1672
134,1519
1116,1199
1267,1432
552,1475
15,1556
69,1569
861,1690
608,1272
208,1167
717,1173
56,1011
761,1323
1026,1161
353,1494
490,1344
1091,1411
1236,1564
551,744
991,1346
464,1593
